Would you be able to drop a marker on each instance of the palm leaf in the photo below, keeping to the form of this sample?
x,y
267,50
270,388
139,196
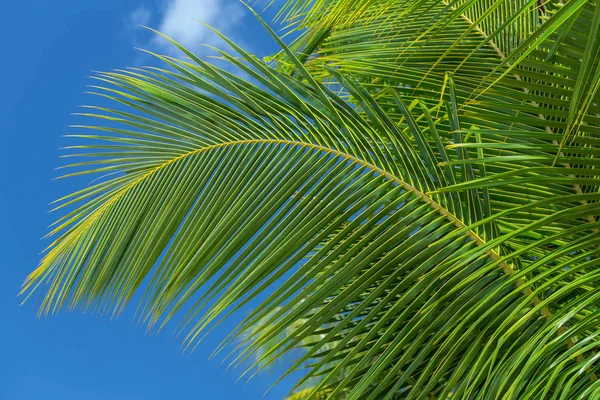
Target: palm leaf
x,y
426,236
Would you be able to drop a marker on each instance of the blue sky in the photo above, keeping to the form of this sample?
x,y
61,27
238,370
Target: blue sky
x,y
48,49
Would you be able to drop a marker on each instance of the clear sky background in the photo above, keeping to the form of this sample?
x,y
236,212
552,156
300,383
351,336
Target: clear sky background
x,y
48,48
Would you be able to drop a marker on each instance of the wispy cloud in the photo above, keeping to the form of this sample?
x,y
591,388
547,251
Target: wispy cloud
x,y
140,16
180,21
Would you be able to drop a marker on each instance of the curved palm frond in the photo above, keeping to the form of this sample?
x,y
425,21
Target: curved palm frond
x,y
427,235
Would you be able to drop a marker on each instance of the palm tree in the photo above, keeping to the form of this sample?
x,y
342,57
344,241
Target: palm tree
x,y
409,191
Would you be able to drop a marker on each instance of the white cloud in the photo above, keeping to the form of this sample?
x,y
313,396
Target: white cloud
x,y
180,22
140,16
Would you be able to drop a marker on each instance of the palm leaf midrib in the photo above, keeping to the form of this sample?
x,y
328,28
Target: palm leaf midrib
x,y
472,235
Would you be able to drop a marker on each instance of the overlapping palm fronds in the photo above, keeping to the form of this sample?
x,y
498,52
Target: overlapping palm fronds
x,y
413,186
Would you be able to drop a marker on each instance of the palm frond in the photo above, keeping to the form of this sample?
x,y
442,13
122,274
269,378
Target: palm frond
x,y
427,235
